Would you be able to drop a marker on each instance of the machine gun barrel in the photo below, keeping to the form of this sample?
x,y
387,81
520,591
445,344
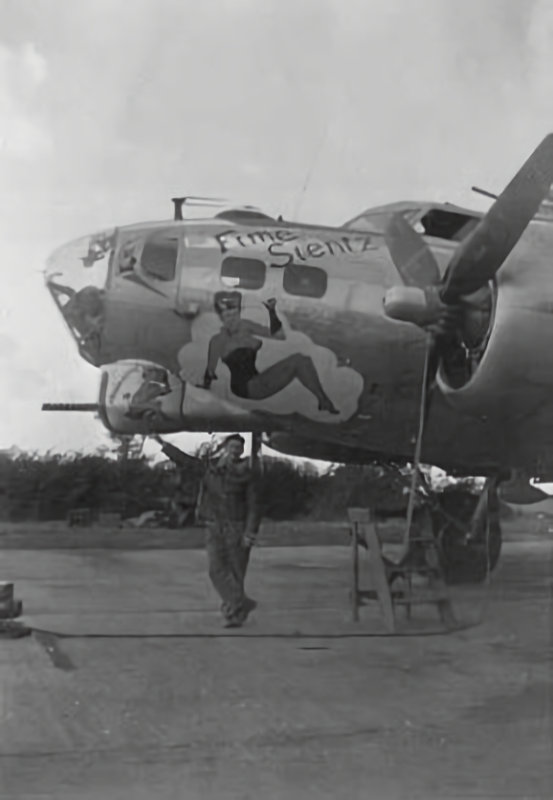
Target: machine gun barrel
x,y
70,407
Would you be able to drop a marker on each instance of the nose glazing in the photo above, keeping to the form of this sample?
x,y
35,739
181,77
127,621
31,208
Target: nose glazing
x,y
76,275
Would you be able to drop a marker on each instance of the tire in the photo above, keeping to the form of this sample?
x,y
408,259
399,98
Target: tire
x,y
466,560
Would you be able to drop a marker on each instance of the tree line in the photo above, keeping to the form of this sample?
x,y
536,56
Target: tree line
x,y
47,487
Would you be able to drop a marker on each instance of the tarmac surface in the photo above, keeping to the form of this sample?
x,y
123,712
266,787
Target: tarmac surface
x,y
130,688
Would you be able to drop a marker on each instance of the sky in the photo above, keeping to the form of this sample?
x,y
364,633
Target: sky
x,y
316,109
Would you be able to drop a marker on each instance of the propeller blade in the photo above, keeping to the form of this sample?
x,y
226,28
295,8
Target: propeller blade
x,y
411,255
479,259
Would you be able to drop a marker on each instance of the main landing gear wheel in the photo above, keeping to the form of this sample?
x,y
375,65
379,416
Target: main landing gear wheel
x,y
469,537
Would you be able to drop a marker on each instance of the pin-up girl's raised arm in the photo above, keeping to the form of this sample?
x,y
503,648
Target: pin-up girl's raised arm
x,y
274,330
214,353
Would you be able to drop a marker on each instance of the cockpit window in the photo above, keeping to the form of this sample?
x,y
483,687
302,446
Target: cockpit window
x,y
376,222
245,273
159,257
447,224
440,223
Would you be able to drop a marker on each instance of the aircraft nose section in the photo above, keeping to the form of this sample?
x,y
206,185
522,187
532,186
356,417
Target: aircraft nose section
x,y
76,275
82,261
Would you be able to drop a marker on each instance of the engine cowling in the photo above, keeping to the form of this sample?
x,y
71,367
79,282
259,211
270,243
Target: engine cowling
x,y
505,373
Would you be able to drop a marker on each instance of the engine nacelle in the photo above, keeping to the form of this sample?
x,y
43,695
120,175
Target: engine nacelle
x,y
509,374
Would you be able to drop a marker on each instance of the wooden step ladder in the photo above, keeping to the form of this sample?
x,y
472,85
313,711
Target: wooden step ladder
x,y
9,609
421,558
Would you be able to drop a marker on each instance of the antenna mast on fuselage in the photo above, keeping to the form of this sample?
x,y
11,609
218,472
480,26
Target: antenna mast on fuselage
x,y
193,200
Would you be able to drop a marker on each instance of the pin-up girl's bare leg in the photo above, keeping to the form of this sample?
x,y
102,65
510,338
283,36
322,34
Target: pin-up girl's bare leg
x,y
280,375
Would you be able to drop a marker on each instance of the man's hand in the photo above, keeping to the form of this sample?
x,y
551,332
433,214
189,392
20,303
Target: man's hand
x,y
157,438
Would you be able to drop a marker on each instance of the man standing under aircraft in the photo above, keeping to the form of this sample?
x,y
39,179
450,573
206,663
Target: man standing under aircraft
x,y
230,506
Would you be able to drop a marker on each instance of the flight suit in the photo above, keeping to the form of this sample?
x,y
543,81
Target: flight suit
x,y
230,507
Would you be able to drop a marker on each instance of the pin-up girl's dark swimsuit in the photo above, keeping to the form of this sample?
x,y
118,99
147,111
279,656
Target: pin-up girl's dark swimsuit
x,y
241,363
